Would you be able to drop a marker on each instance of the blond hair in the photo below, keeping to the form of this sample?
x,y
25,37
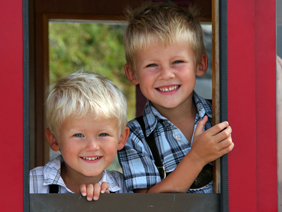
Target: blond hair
x,y
166,23
80,94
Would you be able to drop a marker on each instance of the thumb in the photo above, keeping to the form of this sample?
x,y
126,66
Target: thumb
x,y
201,126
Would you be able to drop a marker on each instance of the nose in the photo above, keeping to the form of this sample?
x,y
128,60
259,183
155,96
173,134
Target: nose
x,y
166,73
92,145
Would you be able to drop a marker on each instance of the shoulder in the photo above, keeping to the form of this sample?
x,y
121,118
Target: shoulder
x,y
116,175
41,176
200,100
36,179
203,106
38,171
133,125
116,181
136,132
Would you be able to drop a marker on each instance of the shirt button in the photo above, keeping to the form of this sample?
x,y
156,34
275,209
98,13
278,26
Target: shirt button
x,y
178,137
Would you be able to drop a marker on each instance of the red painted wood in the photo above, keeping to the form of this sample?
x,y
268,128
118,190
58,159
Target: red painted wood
x,y
266,105
11,106
242,105
252,105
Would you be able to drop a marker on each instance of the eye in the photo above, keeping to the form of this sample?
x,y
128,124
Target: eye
x,y
79,135
177,61
151,65
103,134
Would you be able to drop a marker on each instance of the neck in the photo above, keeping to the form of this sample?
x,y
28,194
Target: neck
x,y
74,180
183,117
184,111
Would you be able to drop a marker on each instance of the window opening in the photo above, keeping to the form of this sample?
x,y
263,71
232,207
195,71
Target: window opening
x,y
205,199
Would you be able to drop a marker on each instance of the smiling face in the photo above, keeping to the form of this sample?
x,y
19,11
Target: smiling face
x,y
166,76
88,146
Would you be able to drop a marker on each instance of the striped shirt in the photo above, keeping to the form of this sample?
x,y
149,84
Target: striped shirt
x,y
136,158
41,177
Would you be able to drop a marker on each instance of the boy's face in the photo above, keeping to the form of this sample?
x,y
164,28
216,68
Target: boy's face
x,y
88,146
166,76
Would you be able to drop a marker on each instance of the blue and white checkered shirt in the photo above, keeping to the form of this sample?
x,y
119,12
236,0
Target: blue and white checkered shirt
x,y
41,177
136,158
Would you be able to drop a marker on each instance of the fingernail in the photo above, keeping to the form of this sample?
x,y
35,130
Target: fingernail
x,y
83,194
89,199
95,198
102,192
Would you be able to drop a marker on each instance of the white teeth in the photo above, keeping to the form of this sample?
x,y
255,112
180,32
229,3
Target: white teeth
x,y
90,158
168,89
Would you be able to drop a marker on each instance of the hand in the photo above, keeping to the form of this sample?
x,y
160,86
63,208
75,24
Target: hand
x,y
93,191
213,143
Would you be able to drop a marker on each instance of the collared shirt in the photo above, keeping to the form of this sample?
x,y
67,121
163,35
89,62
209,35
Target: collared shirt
x,y
136,158
41,177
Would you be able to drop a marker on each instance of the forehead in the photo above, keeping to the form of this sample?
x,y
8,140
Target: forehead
x,y
159,50
88,122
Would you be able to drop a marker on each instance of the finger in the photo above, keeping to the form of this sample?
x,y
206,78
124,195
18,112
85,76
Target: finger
x,y
104,187
224,143
201,126
224,134
82,189
97,188
89,192
227,146
216,129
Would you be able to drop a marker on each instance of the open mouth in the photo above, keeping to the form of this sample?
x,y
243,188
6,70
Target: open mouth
x,y
90,158
168,89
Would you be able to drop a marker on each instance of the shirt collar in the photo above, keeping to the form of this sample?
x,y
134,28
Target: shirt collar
x,y
52,172
52,175
151,115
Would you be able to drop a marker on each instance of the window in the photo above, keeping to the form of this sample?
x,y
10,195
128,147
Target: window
x,y
139,202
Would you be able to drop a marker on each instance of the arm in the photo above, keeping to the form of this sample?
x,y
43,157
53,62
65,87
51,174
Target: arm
x,y
207,146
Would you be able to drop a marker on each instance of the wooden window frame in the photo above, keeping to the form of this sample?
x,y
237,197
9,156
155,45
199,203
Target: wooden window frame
x,y
149,202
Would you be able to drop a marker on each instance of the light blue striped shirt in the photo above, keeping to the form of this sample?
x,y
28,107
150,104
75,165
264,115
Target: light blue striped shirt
x,y
41,177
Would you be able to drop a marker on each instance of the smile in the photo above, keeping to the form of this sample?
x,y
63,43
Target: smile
x,y
167,89
90,158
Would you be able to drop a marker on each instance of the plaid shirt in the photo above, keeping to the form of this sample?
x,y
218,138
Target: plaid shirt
x,y
136,158
41,177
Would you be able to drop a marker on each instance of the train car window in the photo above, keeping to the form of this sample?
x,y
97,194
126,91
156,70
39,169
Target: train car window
x,y
55,54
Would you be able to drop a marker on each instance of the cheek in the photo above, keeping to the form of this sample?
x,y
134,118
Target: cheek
x,y
70,148
110,149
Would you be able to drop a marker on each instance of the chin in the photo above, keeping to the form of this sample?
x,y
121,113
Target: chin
x,y
91,174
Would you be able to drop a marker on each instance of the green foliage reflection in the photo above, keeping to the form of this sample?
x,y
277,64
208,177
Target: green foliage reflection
x,y
91,47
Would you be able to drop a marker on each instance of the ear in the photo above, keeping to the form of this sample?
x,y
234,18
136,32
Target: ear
x,y
123,138
202,67
53,143
131,75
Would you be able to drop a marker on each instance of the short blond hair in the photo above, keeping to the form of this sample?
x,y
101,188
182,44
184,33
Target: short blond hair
x,y
162,22
85,93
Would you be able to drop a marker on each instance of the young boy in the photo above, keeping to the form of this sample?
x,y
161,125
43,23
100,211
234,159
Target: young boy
x,y
164,53
86,117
